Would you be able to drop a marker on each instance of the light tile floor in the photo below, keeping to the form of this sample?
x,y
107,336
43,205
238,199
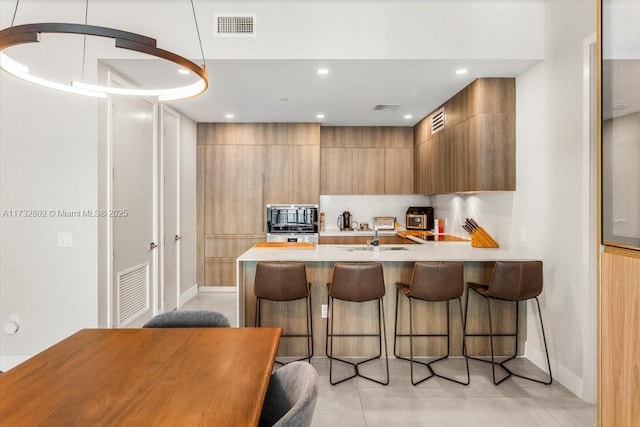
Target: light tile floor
x,y
436,402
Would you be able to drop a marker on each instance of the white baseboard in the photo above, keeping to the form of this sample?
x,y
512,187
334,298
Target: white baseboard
x,y
205,289
573,382
9,361
187,295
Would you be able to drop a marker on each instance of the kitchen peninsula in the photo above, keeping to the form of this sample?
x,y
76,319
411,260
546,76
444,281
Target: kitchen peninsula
x,y
397,261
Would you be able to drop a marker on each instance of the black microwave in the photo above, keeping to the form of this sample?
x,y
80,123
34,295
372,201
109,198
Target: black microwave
x,y
420,218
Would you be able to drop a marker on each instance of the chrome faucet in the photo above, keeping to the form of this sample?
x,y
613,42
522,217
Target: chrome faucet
x,y
376,240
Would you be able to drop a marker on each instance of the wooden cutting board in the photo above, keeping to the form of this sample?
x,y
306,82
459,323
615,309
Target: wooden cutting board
x,y
285,245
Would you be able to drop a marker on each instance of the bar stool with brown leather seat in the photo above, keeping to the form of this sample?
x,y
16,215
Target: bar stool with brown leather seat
x,y
357,283
510,281
431,282
284,281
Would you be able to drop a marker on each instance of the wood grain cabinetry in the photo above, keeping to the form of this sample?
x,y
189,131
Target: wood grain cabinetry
x,y
241,168
366,160
476,149
619,363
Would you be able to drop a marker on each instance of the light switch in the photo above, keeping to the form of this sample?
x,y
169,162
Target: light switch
x,y
65,239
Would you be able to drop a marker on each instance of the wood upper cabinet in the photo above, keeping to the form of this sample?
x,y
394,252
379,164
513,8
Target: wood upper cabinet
x,y
398,170
293,174
476,149
366,160
336,170
368,171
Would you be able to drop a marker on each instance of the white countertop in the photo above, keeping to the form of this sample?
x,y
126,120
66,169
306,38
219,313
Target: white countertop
x,y
431,251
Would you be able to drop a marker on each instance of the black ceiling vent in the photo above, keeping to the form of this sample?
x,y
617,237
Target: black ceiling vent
x,y
437,121
386,107
235,25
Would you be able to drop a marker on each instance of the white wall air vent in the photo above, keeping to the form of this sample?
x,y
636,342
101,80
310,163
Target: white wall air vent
x,y
235,25
437,121
386,107
133,297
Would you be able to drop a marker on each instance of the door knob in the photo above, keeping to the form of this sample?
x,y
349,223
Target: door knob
x,y
178,237
152,246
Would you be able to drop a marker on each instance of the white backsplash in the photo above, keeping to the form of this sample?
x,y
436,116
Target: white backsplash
x,y
492,211
364,207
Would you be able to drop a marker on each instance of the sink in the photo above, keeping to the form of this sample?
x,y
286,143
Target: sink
x,y
370,248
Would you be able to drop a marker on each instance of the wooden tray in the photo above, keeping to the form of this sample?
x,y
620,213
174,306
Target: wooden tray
x,y
285,245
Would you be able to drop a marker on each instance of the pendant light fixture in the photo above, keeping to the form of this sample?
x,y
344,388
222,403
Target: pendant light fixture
x,y
30,33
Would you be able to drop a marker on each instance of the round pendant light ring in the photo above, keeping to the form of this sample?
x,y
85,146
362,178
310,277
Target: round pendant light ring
x,y
30,33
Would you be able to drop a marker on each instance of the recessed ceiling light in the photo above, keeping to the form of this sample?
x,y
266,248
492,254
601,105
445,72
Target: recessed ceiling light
x,y
323,71
319,116
408,116
229,116
183,71
462,71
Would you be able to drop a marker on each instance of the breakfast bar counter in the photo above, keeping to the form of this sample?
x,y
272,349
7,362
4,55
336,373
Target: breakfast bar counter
x,y
397,261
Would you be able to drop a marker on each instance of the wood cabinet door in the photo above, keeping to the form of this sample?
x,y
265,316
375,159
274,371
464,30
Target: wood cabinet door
x,y
398,170
496,153
305,174
462,160
420,169
437,159
368,171
279,174
234,183
619,392
336,171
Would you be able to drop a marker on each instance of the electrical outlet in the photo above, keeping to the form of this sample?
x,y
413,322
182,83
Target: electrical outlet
x,y
325,310
523,234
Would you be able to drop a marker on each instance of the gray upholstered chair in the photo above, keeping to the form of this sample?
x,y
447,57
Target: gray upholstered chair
x,y
188,319
291,396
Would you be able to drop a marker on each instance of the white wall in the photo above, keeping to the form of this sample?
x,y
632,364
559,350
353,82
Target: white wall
x,y
549,198
47,162
550,181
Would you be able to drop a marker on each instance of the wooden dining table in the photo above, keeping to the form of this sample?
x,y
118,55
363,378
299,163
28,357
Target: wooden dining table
x,y
151,377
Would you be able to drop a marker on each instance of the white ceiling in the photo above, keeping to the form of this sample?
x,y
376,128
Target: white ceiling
x,y
293,91
262,81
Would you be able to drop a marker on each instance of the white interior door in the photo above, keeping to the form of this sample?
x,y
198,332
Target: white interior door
x,y
134,213
171,208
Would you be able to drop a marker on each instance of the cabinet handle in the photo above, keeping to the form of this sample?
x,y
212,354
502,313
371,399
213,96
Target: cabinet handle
x,y
152,246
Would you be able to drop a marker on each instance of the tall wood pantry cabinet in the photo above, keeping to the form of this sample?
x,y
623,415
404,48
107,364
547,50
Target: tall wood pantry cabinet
x,y
241,168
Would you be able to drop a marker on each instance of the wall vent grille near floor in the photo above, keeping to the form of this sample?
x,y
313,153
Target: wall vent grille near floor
x,y
437,121
133,294
234,25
